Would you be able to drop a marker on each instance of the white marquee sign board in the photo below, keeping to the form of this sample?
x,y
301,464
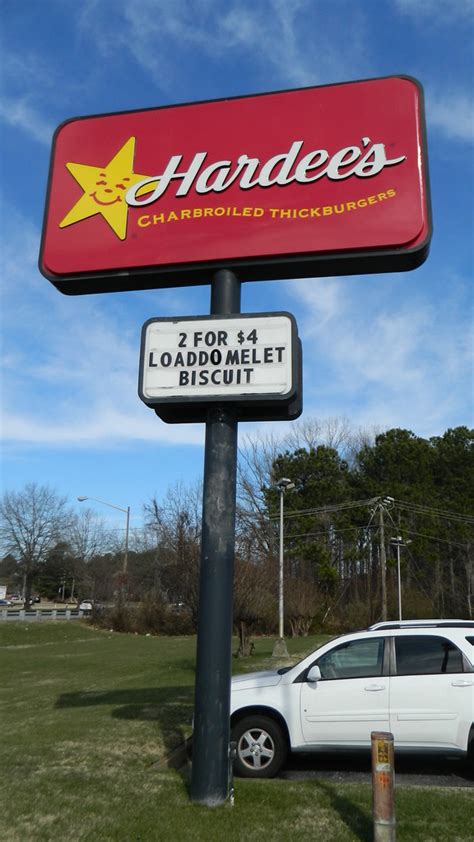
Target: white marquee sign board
x,y
214,359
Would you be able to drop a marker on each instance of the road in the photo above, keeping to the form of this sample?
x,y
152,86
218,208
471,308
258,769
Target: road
x,y
409,771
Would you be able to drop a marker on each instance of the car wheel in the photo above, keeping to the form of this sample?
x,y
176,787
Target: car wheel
x,y
261,747
470,752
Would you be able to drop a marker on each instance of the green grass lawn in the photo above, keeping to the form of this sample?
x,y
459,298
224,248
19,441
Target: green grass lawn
x,y
88,719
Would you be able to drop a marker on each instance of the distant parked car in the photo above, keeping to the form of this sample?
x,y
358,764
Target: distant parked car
x,y
6,602
85,605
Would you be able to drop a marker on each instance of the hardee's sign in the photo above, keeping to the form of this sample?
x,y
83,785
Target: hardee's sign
x,y
316,181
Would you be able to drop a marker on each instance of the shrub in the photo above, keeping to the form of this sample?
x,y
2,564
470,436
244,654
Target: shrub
x,y
151,616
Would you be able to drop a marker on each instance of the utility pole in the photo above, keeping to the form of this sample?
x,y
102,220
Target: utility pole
x,y
379,505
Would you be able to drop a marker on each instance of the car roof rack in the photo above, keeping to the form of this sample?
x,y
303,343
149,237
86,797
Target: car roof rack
x,y
420,624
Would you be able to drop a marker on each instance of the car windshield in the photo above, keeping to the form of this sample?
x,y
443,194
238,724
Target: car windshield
x,y
282,670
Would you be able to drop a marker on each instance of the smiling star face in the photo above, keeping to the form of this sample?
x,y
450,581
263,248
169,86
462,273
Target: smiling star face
x,y
104,190
108,193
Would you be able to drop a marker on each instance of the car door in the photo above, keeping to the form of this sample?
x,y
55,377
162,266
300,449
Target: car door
x,y
351,699
431,696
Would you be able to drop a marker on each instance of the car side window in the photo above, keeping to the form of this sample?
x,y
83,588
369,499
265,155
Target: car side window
x,y
353,659
426,655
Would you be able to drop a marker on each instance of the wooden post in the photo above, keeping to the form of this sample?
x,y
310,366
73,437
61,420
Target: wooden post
x,y
383,802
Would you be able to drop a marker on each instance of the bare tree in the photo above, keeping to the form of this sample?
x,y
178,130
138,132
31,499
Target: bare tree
x,y
257,455
254,601
337,433
360,438
32,521
303,602
176,524
87,535
310,433
254,529
88,538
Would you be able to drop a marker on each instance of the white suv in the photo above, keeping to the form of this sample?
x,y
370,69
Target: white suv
x,y
413,678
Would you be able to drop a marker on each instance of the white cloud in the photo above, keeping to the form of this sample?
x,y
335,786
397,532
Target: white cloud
x,y
272,33
97,427
20,114
436,12
73,379
69,373
31,81
453,114
365,347
80,386
295,41
382,359
325,301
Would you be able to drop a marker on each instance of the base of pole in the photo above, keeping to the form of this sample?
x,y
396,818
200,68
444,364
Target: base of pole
x,y
209,801
279,649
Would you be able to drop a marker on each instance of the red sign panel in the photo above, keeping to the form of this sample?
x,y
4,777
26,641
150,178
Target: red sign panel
x,y
316,181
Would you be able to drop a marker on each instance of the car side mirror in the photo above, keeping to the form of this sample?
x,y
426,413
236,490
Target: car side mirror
x,y
314,675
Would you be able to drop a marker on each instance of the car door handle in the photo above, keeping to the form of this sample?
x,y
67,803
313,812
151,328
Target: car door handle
x,y
462,682
373,688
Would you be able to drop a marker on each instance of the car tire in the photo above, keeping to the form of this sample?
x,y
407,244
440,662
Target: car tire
x,y
470,752
261,747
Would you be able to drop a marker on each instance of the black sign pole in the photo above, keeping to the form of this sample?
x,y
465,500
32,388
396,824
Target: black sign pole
x,y
210,768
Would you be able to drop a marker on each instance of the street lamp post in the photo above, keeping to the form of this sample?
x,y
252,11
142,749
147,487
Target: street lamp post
x,y
127,527
399,542
280,650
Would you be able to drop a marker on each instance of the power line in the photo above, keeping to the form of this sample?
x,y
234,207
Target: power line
x,y
431,510
335,532
417,508
435,538
335,507
369,526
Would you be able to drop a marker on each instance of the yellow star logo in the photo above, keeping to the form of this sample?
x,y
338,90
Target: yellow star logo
x,y
105,189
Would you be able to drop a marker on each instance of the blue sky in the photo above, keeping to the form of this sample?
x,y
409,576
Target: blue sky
x,y
382,351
